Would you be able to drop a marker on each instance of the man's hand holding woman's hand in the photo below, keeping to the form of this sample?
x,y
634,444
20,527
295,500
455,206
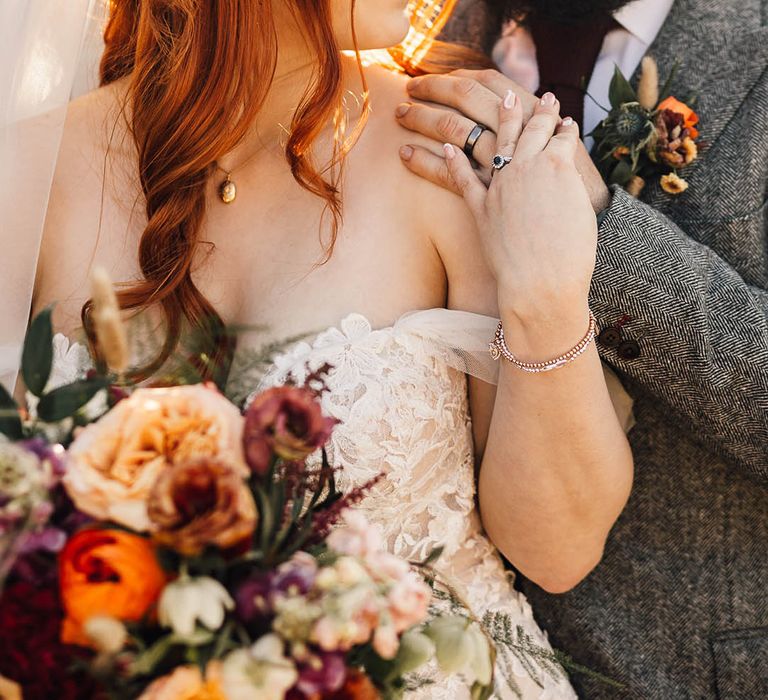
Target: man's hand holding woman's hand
x,y
459,101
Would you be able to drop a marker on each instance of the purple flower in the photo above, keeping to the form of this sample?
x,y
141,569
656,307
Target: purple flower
x,y
253,598
297,576
53,454
49,540
321,673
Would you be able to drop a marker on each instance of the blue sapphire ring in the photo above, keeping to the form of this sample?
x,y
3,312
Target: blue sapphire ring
x,y
500,162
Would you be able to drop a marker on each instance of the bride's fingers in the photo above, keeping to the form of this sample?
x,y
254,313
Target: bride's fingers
x,y
510,124
540,127
422,162
566,139
467,181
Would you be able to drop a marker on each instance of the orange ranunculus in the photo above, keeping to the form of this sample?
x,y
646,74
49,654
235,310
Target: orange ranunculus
x,y
106,572
690,117
187,683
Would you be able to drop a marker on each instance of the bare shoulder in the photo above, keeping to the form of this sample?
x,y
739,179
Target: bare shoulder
x,y
94,160
441,214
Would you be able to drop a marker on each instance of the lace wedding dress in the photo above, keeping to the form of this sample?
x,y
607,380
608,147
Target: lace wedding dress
x,y
400,394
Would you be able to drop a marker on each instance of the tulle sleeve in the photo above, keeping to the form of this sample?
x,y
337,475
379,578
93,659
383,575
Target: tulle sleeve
x,y
461,338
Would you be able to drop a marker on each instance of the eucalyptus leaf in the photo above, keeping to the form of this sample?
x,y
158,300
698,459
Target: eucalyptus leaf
x,y
10,420
620,91
65,401
37,356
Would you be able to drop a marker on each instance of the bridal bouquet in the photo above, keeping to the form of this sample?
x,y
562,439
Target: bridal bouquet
x,y
169,546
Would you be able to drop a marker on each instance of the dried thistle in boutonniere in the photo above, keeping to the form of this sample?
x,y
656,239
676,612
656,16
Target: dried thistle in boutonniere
x,y
648,133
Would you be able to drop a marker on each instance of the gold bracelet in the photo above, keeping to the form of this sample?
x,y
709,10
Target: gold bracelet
x,y
498,348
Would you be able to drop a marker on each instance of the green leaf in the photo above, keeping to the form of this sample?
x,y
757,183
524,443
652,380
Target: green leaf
x,y
10,420
146,661
266,518
37,357
666,90
621,174
65,401
620,91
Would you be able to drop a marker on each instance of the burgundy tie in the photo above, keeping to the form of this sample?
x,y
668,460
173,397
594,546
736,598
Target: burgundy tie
x,y
566,54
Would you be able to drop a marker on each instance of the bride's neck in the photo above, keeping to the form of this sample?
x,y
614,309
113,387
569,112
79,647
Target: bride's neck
x,y
294,71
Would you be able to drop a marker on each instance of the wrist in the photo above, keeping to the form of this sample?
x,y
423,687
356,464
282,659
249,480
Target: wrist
x,y
535,335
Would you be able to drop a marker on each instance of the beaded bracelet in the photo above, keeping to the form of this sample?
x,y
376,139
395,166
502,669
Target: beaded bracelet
x,y
498,348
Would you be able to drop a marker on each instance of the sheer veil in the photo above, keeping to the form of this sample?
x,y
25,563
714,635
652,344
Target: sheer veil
x,y
49,52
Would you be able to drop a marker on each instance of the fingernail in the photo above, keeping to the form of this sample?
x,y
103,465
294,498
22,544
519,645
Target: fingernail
x,y
548,99
406,152
568,121
509,100
450,151
402,109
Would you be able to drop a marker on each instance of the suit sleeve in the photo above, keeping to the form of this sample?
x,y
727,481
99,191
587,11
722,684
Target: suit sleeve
x,y
703,331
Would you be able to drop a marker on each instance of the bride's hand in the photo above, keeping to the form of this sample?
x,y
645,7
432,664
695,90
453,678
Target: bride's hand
x,y
537,225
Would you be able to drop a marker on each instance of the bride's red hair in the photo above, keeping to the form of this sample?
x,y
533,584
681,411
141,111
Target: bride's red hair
x,y
198,73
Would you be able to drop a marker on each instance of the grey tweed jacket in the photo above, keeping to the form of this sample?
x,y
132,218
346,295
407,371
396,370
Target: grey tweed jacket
x,y
678,608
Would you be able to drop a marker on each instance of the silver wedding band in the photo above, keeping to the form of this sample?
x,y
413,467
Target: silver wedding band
x,y
473,138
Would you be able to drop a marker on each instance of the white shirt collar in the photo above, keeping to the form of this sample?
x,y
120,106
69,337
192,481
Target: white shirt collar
x,y
644,18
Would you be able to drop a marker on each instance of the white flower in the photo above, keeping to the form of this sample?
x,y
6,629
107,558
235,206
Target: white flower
x,y
415,650
461,647
188,600
261,672
108,634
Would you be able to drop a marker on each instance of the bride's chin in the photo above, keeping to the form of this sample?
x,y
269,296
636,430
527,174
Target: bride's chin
x,y
386,34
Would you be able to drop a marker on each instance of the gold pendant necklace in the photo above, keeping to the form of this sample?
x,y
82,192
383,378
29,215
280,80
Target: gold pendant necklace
x,y
227,189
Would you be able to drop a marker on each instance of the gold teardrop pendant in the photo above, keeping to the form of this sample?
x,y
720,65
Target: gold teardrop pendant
x,y
228,191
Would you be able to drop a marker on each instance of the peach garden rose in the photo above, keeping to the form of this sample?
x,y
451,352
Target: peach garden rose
x,y
114,463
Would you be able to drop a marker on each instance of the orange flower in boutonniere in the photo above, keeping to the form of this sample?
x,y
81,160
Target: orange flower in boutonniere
x,y
691,119
648,134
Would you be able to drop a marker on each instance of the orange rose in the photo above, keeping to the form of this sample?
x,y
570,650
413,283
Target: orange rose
x,y
106,572
114,463
187,683
690,117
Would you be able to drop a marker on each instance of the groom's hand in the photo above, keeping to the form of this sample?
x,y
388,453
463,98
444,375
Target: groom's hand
x,y
459,101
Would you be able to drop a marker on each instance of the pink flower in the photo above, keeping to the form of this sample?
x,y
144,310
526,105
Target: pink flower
x,y
357,538
386,642
409,602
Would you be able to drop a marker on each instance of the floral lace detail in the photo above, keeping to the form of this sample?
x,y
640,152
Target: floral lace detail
x,y
404,414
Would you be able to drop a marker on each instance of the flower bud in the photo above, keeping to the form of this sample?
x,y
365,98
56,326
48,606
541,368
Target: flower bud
x,y
107,634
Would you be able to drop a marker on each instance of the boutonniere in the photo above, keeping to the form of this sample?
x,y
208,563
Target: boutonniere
x,y
648,133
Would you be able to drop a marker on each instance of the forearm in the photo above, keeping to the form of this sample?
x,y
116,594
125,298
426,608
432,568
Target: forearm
x,y
557,468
